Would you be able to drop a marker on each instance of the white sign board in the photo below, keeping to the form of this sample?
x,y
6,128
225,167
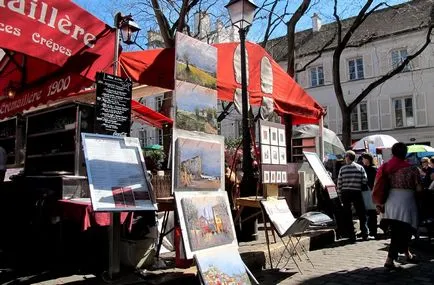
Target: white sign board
x,y
116,174
319,169
279,214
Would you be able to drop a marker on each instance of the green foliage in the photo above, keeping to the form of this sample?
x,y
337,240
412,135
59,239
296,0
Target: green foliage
x,y
156,157
232,143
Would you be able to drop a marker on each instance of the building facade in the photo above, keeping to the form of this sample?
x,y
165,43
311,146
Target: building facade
x,y
401,106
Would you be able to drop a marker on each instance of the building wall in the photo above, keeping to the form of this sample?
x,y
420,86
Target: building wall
x,y
416,84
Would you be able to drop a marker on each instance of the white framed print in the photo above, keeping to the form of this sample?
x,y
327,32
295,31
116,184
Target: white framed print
x,y
282,155
278,177
274,154
281,136
265,154
284,178
265,134
273,136
272,176
266,177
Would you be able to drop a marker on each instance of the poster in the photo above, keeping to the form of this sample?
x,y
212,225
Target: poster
x,y
282,138
273,136
266,154
265,134
198,161
206,220
275,155
116,174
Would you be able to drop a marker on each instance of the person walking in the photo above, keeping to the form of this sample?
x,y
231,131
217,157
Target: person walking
x,y
351,180
395,188
371,172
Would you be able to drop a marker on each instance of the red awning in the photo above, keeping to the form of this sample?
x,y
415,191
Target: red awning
x,y
52,48
149,116
156,68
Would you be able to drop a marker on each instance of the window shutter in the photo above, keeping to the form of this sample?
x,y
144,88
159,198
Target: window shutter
x,y
328,73
374,118
331,118
414,63
339,120
301,77
385,62
386,115
421,114
367,62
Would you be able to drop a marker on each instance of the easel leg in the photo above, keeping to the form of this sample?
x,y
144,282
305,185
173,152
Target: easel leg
x,y
114,244
267,238
162,233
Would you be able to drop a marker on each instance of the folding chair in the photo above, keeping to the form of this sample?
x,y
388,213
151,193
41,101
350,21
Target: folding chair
x,y
286,226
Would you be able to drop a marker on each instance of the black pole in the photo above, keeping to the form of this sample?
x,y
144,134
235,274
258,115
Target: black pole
x,y
247,186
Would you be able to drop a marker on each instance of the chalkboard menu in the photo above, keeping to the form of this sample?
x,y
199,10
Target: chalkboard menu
x,y
113,105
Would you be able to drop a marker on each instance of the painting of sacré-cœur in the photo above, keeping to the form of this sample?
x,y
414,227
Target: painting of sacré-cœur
x,y
198,164
207,221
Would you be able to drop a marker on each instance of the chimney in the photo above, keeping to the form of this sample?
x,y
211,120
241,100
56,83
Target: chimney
x,y
316,22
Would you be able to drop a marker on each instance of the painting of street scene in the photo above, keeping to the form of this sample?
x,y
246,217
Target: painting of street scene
x,y
224,267
196,108
198,164
196,62
207,221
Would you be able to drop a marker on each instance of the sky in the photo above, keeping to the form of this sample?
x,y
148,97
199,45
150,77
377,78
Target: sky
x,y
105,10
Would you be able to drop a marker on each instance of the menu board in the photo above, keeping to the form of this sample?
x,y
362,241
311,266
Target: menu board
x,y
116,174
113,105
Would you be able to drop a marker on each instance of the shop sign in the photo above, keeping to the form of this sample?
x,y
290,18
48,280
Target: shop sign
x,y
113,105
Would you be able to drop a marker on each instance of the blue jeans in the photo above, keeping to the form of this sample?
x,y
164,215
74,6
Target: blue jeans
x,y
355,198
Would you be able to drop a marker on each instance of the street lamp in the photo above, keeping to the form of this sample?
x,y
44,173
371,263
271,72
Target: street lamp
x,y
241,13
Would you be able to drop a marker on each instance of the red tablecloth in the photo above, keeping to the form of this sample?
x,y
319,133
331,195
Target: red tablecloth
x,y
82,213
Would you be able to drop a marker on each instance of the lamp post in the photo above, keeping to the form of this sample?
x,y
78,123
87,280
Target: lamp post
x,y
127,30
241,13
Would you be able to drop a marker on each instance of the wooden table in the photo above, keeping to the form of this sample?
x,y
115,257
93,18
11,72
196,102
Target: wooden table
x,y
255,202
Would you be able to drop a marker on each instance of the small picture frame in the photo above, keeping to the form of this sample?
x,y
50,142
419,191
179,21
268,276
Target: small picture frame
x,y
265,135
275,155
282,138
273,136
284,178
266,177
272,176
278,177
282,155
265,154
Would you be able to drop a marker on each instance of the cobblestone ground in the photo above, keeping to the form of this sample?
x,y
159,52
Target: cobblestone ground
x,y
359,263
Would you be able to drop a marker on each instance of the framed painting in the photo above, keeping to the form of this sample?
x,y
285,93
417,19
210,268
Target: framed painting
x,y
266,177
273,136
282,155
282,138
275,155
199,161
278,176
284,177
224,266
265,154
265,134
206,220
272,176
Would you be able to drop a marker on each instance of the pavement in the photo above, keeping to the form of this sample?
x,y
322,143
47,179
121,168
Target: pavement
x,y
334,262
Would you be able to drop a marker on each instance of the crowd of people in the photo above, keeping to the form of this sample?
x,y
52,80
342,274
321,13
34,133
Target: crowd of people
x,y
393,191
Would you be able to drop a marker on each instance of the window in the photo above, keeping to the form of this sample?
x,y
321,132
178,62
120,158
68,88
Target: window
x,y
403,112
158,103
359,118
398,56
143,138
316,76
355,68
159,136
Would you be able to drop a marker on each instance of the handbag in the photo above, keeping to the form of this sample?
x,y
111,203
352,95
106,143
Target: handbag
x,y
381,187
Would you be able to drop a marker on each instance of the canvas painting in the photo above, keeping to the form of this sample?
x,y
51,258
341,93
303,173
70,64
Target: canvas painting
x,y
273,136
284,178
196,62
272,176
205,219
198,164
196,108
278,177
265,154
282,155
266,177
282,139
265,134
275,155
222,267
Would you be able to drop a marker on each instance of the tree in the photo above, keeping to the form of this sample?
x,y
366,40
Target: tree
x,y
344,36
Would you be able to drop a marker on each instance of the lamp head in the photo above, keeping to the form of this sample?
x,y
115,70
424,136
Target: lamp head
x,y
241,12
129,30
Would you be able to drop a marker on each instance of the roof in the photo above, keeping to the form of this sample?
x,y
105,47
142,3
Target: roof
x,y
410,16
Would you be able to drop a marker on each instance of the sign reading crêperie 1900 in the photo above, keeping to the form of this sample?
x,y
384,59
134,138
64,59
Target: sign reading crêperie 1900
x,y
113,105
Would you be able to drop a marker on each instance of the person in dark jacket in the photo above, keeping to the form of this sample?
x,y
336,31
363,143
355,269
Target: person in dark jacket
x,y
371,172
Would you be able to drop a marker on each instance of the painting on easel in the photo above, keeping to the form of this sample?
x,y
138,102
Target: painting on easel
x,y
205,219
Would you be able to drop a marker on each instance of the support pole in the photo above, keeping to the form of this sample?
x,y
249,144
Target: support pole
x,y
321,139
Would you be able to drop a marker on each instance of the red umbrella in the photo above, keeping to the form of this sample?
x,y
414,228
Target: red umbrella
x,y
52,48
